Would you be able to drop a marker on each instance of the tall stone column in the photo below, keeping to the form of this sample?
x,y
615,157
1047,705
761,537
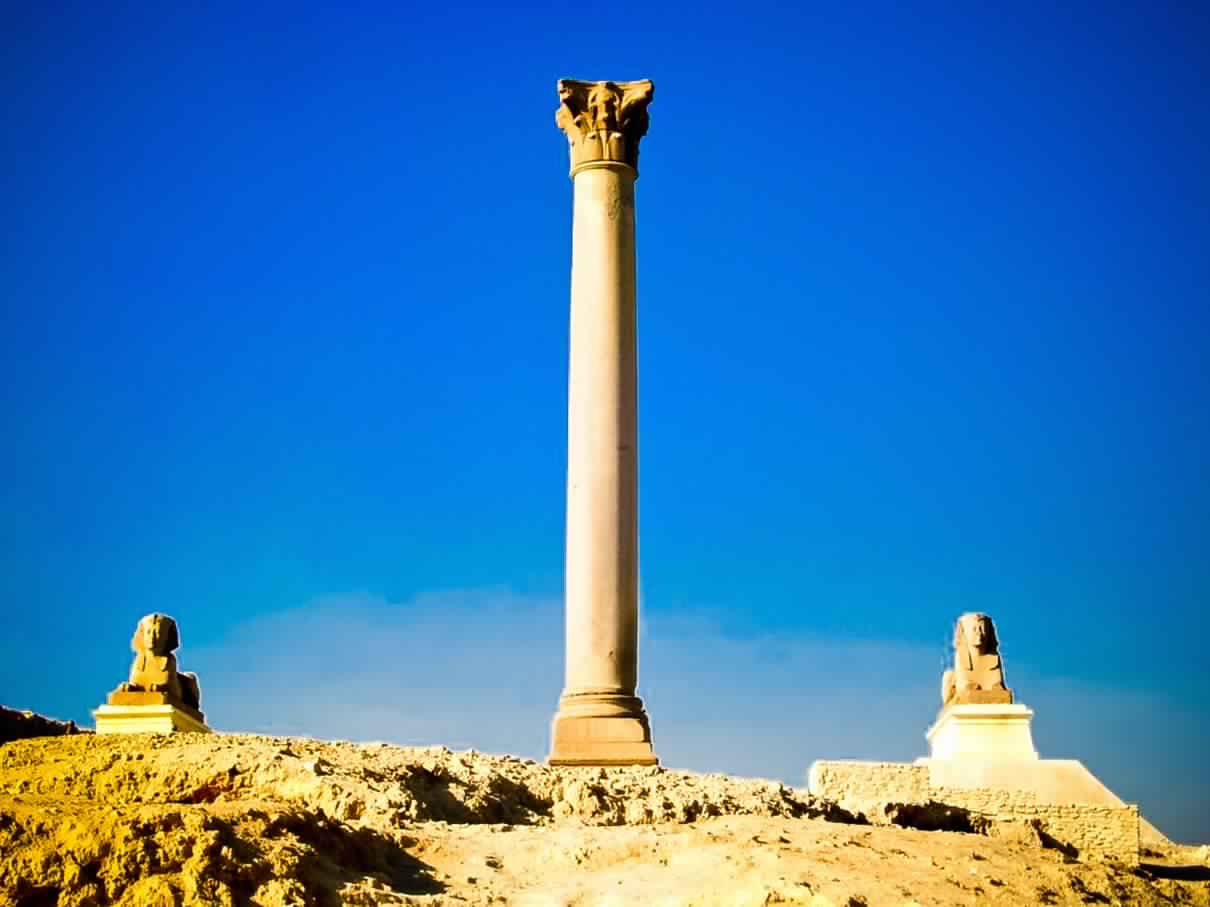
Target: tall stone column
x,y
600,720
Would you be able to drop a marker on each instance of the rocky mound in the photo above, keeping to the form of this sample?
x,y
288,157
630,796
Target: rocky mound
x,y
16,725
389,785
231,819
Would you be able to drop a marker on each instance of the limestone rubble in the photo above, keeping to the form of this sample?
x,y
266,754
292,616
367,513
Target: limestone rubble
x,y
234,819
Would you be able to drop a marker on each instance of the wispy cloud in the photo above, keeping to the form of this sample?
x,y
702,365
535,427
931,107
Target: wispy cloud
x,y
483,669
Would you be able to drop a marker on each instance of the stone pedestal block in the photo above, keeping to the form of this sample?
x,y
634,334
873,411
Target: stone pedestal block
x,y
601,730
157,718
992,732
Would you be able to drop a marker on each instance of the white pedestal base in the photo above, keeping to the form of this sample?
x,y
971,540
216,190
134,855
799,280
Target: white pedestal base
x,y
146,719
982,732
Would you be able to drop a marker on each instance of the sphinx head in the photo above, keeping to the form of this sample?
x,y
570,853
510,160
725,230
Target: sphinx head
x,y
156,634
976,631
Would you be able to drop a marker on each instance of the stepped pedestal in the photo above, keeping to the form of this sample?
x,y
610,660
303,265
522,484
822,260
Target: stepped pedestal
x,y
147,713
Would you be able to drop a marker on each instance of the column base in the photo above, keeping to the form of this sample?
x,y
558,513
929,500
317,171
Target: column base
x,y
620,736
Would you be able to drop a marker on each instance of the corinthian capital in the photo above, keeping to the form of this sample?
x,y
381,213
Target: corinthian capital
x,y
603,120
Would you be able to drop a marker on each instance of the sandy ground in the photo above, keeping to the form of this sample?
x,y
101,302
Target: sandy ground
x,y
233,819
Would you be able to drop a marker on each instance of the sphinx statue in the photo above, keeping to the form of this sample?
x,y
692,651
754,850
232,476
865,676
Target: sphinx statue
x,y
977,677
154,668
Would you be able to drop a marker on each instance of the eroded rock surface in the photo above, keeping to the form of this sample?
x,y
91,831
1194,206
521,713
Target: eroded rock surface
x,y
230,819
18,725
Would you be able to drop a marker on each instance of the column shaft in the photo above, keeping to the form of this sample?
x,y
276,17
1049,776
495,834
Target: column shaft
x,y
602,429
600,720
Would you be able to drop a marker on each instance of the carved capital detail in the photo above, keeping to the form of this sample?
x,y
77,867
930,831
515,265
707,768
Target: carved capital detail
x,y
603,120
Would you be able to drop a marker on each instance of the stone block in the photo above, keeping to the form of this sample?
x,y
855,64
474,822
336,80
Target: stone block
x,y
145,698
601,740
984,697
982,732
149,718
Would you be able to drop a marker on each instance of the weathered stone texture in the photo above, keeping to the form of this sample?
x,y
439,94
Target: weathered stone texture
x,y
861,786
1095,832
1091,831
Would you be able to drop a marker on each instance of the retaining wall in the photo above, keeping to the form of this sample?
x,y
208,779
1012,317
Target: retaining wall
x,y
1094,831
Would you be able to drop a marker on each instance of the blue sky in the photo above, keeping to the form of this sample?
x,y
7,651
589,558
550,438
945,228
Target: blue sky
x,y
924,309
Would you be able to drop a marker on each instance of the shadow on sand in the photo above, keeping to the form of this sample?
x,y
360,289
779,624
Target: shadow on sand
x,y
1193,873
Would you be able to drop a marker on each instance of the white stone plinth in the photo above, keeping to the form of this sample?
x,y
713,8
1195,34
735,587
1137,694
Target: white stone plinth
x,y
983,732
146,719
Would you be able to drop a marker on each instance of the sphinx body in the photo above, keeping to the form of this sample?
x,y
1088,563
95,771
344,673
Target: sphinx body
x,y
978,674
154,668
